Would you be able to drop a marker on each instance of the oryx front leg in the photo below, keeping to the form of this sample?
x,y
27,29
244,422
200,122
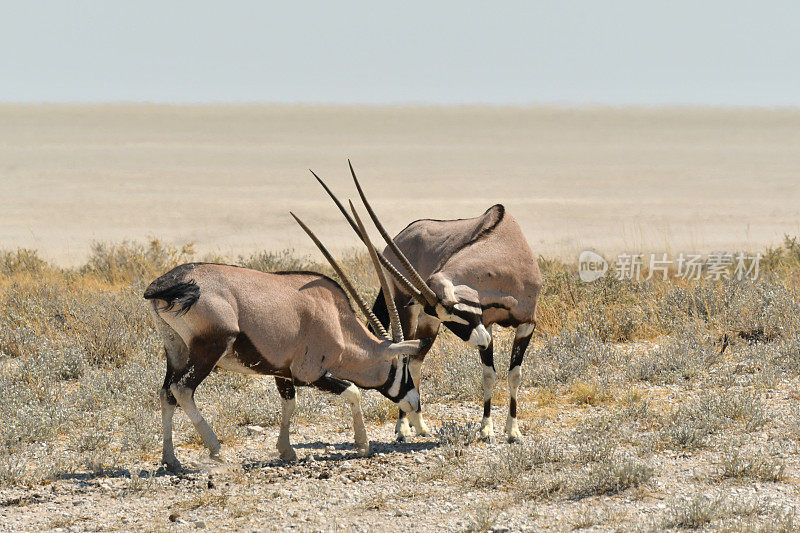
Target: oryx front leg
x,y
402,429
415,368
289,402
351,395
489,375
521,340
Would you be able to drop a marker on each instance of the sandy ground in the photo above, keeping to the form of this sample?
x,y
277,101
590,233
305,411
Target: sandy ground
x,y
223,177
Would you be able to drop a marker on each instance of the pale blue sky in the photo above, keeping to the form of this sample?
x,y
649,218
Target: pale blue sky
x,y
563,52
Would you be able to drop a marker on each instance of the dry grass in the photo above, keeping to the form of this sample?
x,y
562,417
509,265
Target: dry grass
x,y
80,364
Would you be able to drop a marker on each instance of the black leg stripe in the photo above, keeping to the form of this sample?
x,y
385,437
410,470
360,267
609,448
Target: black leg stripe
x,y
512,408
487,408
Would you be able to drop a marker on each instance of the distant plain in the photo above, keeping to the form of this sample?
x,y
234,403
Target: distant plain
x,y
225,177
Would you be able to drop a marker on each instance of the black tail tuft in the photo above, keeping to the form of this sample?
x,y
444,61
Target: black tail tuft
x,y
380,310
183,295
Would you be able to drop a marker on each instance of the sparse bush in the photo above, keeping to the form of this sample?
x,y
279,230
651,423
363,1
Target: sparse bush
x,y
567,357
694,513
515,462
133,261
674,361
758,466
21,260
276,261
456,434
610,476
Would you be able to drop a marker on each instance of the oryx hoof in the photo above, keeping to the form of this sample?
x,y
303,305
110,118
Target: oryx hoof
x,y
363,449
288,455
216,456
399,437
514,439
172,465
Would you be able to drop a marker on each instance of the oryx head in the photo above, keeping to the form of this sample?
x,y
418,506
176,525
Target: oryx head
x,y
400,386
459,309
456,306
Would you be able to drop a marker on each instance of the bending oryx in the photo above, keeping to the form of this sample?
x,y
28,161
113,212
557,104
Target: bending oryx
x,y
296,326
475,269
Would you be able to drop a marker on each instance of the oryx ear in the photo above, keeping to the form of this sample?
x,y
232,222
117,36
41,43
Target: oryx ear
x,y
412,348
443,288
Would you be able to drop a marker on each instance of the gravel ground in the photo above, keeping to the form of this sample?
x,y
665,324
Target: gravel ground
x,y
414,485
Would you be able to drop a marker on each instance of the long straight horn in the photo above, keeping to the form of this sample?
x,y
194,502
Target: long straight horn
x,y
397,328
373,320
416,279
401,279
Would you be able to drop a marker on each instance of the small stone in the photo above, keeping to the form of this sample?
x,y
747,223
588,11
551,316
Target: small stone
x,y
200,524
173,517
255,430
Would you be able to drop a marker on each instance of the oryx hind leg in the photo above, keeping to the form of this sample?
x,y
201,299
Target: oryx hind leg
x,y
486,431
289,402
168,405
204,353
351,395
521,340
177,355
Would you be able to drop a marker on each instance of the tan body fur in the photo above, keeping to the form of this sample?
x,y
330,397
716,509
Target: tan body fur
x,y
298,327
485,259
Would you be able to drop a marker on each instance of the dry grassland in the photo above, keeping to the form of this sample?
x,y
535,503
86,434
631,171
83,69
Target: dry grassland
x,y
634,417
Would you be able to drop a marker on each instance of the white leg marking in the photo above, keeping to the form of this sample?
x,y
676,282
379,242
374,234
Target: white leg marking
x,y
185,400
353,396
284,447
514,380
487,427
415,367
402,429
480,337
168,451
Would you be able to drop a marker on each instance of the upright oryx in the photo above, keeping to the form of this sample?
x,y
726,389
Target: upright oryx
x,y
482,269
296,326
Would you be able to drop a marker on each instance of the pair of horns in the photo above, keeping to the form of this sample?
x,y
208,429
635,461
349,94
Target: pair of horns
x,y
416,286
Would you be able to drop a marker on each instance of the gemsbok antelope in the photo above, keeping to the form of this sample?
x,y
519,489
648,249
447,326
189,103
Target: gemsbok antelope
x,y
475,270
296,326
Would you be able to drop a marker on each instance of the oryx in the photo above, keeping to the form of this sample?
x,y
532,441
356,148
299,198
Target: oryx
x,y
296,326
466,271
